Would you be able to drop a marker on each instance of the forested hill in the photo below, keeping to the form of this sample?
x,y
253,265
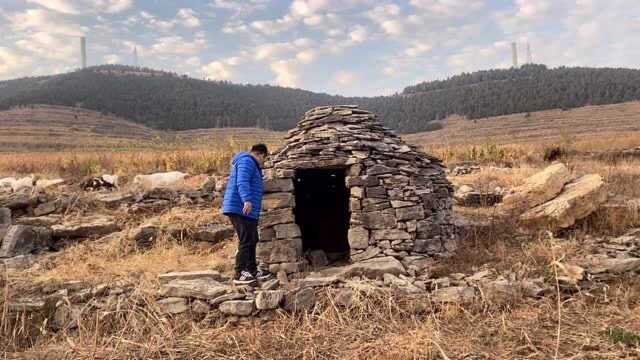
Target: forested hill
x,y
167,101
527,89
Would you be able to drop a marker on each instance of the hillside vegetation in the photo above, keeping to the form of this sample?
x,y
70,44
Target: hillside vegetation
x,y
164,100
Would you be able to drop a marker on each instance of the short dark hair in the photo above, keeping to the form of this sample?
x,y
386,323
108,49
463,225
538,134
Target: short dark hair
x,y
260,149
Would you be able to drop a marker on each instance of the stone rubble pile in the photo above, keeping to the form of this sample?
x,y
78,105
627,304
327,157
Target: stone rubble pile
x,y
205,292
400,200
465,195
33,221
465,168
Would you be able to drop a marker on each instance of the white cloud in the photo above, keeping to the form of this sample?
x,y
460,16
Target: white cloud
x,y
76,7
188,18
218,70
418,48
50,46
177,45
306,8
185,17
448,8
346,78
358,34
112,59
287,72
239,7
306,56
43,20
12,62
271,27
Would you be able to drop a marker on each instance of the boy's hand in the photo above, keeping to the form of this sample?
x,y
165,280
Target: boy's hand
x,y
246,209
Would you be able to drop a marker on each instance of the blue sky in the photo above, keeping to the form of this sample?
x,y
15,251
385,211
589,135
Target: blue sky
x,y
350,47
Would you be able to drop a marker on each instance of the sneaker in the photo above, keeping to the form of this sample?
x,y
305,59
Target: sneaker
x,y
262,275
244,278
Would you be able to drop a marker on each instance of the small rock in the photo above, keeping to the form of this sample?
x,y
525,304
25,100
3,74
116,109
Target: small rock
x,y
227,297
343,297
270,299
173,305
300,300
24,240
200,307
270,284
318,258
456,294
213,233
237,307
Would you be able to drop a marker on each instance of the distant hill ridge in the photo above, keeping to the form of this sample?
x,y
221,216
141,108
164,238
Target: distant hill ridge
x,y
167,101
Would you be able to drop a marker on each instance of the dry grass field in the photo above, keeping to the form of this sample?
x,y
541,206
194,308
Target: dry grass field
x,y
386,325
590,123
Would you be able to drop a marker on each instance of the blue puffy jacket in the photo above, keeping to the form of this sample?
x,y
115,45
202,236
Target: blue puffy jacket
x,y
245,184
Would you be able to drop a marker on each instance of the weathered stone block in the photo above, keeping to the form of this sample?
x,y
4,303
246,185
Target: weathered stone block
x,y
390,234
278,185
267,234
237,307
370,252
358,238
354,204
279,251
378,220
278,201
377,192
300,300
365,180
379,169
173,305
271,299
201,288
357,192
287,231
275,217
400,204
410,213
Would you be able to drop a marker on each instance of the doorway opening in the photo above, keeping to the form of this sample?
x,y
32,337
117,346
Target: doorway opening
x,y
322,211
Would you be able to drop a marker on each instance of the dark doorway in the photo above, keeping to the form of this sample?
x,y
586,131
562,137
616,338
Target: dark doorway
x,y
322,211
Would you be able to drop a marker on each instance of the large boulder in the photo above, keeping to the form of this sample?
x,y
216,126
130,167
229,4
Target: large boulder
x,y
159,180
577,200
24,239
537,189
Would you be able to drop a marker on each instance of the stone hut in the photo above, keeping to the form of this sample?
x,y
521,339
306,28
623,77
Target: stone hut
x,y
348,186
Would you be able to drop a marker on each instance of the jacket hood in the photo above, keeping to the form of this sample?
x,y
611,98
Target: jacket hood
x,y
244,154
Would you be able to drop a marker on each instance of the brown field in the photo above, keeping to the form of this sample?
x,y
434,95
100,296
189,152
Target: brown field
x,y
590,123
386,326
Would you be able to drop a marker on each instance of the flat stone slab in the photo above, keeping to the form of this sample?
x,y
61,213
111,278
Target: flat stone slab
x,y
192,275
86,227
206,289
538,189
577,200
372,268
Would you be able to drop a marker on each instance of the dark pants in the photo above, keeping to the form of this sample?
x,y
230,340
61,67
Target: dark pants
x,y
247,230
